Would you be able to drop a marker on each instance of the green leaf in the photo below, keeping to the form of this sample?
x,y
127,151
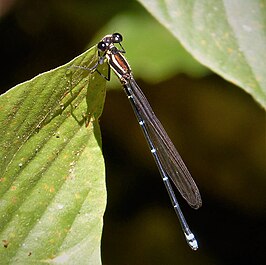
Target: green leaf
x,y
52,182
227,36
153,53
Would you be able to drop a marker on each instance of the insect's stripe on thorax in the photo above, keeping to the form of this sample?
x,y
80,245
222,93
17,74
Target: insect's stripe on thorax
x,y
118,64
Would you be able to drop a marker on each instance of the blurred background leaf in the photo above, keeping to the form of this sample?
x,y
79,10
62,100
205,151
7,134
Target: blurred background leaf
x,y
226,36
217,127
153,57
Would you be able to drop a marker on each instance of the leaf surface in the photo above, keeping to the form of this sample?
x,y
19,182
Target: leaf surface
x,y
52,182
227,36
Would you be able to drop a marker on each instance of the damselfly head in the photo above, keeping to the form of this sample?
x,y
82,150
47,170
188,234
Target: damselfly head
x,y
108,41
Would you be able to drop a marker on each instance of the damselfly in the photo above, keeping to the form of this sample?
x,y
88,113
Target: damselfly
x,y
167,159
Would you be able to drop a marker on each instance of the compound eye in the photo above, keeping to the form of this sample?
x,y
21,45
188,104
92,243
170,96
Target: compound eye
x,y
102,46
117,37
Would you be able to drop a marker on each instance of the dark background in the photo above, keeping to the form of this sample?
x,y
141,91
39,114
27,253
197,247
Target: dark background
x,y
218,129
